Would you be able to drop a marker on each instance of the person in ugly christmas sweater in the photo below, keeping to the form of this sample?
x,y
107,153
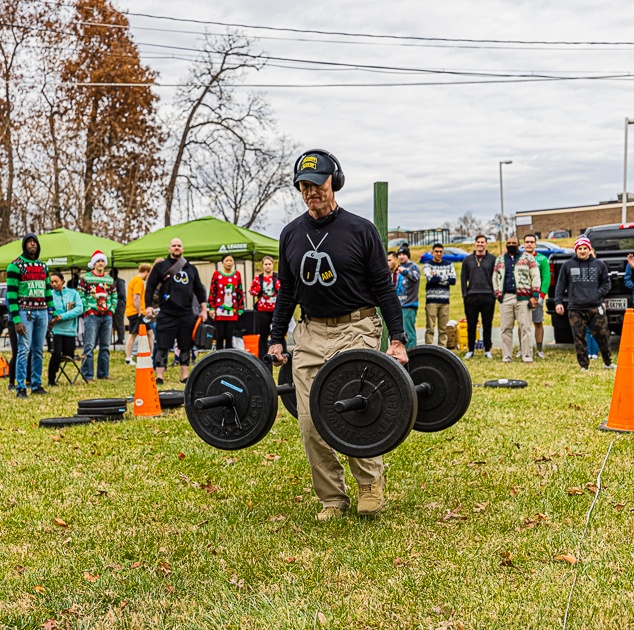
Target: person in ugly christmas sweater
x,y
226,301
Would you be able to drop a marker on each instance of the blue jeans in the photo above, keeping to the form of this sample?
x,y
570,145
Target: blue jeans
x,y
32,341
97,330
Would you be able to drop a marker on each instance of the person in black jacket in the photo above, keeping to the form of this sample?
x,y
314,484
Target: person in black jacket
x,y
333,265
586,281
476,280
178,282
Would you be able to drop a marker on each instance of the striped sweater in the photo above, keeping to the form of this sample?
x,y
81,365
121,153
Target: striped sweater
x,y
28,288
440,276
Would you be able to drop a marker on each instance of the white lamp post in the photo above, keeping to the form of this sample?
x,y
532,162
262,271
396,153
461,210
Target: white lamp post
x,y
502,203
624,200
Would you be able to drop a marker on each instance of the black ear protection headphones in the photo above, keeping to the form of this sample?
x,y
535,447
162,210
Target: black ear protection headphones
x,y
338,178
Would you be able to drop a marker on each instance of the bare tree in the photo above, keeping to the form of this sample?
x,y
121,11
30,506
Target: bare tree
x,y
504,224
214,114
468,225
240,182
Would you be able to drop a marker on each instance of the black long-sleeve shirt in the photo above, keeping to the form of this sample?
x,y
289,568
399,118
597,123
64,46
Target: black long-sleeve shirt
x,y
331,270
177,294
476,275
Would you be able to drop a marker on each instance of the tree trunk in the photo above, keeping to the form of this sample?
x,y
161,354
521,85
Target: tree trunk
x,y
89,172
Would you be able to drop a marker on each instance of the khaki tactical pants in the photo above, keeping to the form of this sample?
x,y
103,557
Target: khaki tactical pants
x,y
512,309
440,313
315,344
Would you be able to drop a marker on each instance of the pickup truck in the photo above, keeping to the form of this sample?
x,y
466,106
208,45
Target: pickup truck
x,y
612,243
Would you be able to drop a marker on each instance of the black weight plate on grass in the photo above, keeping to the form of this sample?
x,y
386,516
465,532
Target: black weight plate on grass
x,y
106,417
285,377
104,411
102,402
56,423
451,387
390,412
171,398
506,382
253,389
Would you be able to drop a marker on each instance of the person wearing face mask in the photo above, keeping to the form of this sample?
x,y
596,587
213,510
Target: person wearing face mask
x,y
516,283
586,281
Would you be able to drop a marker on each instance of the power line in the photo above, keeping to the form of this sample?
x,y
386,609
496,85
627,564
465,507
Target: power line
x,y
359,35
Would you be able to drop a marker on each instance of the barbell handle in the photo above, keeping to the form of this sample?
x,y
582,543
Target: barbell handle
x,y
424,389
211,402
358,403
285,389
271,358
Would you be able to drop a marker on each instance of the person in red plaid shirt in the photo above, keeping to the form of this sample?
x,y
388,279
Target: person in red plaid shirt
x,y
226,301
265,288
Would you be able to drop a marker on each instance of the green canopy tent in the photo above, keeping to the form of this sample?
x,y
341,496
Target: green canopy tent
x,y
61,249
206,239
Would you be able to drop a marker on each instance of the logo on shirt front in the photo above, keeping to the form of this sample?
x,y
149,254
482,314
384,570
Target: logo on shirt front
x,y
317,266
181,277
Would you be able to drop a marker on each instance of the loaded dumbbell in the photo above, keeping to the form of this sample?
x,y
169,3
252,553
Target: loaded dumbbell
x,y
363,403
231,398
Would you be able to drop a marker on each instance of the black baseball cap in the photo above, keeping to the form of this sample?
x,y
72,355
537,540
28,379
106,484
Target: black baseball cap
x,y
315,168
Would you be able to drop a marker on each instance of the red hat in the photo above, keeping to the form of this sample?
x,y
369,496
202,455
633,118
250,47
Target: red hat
x,y
583,240
97,256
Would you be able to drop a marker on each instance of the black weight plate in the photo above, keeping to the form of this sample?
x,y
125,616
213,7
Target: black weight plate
x,y
56,423
506,382
104,411
450,382
285,377
248,380
171,398
106,417
390,413
103,402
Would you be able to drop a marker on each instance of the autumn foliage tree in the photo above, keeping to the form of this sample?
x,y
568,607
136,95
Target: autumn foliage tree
x,y
113,118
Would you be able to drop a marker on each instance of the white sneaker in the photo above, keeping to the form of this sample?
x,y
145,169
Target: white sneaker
x,y
584,370
527,359
506,360
488,355
612,366
518,355
129,361
594,356
469,355
540,355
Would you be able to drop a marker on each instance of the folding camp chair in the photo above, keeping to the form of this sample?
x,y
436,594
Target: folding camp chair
x,y
65,364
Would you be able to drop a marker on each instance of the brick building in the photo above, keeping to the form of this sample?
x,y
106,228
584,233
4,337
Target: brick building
x,y
575,220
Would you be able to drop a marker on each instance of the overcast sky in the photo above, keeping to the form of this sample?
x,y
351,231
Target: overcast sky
x,y
438,146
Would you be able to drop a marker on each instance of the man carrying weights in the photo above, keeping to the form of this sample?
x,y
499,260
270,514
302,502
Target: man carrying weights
x,y
333,265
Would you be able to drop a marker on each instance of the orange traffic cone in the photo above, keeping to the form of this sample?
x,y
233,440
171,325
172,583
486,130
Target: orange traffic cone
x,y
621,416
146,398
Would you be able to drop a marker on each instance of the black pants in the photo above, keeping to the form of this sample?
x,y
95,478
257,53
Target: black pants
x,y
483,305
118,321
263,321
63,346
224,333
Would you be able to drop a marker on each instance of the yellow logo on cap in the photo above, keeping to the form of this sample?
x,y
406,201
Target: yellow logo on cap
x,y
310,161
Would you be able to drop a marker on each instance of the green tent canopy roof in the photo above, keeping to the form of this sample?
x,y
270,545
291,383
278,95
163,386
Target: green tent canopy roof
x,y
207,239
61,249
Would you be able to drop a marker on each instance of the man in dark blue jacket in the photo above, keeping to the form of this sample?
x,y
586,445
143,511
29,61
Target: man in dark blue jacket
x,y
585,279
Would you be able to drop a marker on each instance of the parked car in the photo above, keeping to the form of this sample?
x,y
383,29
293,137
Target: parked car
x,y
396,243
559,234
452,254
543,247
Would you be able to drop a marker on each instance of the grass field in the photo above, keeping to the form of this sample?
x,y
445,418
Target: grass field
x,y
139,524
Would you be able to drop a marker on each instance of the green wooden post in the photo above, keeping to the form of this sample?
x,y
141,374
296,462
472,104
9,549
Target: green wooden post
x,y
380,221
380,211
